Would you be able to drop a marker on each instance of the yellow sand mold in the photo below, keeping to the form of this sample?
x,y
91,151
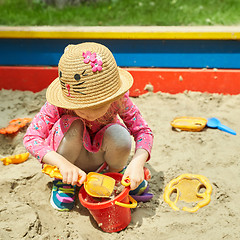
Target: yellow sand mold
x,y
194,124
187,188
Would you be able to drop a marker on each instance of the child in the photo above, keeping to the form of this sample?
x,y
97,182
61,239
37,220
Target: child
x,y
78,130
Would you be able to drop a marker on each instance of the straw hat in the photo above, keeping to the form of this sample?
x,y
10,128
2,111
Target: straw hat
x,y
88,78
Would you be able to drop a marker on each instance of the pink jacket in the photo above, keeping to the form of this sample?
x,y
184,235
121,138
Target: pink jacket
x,y
49,126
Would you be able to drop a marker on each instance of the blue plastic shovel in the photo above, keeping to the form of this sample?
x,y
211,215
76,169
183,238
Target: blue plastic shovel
x,y
215,123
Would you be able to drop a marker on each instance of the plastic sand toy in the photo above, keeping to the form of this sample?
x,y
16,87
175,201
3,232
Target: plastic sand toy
x,y
188,188
15,125
111,214
215,123
194,124
96,184
15,159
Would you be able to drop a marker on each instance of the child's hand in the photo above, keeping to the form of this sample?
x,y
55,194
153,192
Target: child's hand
x,y
135,173
71,174
135,169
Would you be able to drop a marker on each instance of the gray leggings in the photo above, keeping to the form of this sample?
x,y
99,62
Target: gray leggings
x,y
115,149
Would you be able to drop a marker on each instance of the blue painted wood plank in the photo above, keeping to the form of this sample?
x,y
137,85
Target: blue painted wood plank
x,y
129,53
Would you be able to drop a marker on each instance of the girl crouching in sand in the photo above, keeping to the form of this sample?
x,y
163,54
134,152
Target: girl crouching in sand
x,y
78,129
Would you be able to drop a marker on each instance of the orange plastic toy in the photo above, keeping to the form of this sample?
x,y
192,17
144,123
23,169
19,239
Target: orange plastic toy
x,y
187,188
19,158
15,125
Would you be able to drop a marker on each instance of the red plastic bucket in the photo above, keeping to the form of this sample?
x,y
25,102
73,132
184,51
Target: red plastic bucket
x,y
109,215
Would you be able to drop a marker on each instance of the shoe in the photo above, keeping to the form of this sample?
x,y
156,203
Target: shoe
x,y
140,194
140,189
145,197
62,196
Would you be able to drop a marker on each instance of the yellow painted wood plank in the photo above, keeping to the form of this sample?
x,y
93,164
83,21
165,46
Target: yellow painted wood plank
x,y
104,34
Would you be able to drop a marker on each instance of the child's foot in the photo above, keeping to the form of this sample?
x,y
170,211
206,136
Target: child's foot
x,y
145,197
140,194
63,196
140,189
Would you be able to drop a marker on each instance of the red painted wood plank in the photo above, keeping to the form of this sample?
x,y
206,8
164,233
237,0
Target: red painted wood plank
x,y
154,79
31,78
178,80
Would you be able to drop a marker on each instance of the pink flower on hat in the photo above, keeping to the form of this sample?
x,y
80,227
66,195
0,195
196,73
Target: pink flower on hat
x,y
89,57
96,65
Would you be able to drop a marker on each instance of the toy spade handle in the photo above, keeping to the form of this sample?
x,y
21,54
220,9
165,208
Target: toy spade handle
x,y
226,129
54,172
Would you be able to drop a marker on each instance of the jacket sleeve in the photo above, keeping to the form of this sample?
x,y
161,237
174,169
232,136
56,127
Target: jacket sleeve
x,y
35,138
136,124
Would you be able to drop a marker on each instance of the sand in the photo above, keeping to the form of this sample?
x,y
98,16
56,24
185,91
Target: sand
x,y
25,212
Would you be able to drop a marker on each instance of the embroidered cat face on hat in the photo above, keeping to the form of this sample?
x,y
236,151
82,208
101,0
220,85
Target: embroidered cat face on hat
x,y
88,78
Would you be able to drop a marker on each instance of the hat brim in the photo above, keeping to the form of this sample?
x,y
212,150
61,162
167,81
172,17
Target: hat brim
x,y
54,93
